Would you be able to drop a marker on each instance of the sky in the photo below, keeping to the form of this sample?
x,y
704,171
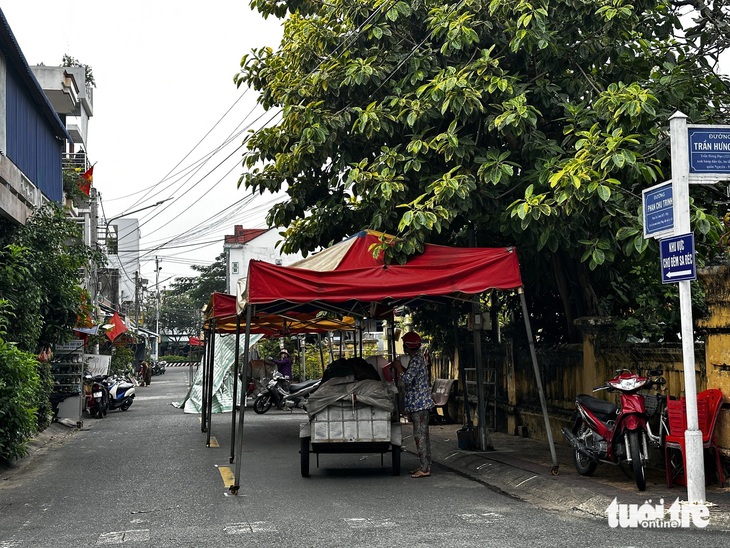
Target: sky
x,y
168,121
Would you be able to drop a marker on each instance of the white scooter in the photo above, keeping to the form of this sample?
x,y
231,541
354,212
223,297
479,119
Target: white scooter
x,y
121,393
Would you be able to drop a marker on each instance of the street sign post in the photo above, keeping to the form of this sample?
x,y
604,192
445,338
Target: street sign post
x,y
658,208
678,258
700,154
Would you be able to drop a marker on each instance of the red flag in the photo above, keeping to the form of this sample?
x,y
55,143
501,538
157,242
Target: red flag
x,y
84,181
117,328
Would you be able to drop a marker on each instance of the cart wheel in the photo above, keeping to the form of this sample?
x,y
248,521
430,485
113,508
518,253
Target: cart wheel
x,y
396,451
304,451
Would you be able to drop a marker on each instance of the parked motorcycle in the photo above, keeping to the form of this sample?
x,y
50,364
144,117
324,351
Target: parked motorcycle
x,y
280,393
121,393
605,432
97,402
159,368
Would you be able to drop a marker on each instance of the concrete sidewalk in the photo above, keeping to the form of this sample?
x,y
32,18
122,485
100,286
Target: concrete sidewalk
x,y
521,468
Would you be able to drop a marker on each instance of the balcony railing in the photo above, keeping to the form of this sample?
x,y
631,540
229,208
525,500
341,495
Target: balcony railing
x,y
75,160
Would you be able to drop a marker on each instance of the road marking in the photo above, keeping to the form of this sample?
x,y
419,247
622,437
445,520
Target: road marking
x,y
364,523
488,517
528,479
253,527
214,442
227,474
119,537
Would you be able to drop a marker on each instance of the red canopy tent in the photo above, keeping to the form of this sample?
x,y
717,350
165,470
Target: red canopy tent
x,y
348,279
220,317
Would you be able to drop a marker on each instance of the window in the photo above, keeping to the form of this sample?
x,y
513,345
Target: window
x,y
234,267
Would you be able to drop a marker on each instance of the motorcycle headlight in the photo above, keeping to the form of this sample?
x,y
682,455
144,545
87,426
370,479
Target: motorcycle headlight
x,y
629,384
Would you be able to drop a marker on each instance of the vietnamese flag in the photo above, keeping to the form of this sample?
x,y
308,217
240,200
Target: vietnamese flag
x,y
117,328
84,181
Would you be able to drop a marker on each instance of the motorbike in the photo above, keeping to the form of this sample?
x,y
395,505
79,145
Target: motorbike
x,y
603,432
121,393
159,368
97,402
288,396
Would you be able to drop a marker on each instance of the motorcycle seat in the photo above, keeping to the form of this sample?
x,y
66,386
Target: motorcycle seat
x,y
603,408
301,385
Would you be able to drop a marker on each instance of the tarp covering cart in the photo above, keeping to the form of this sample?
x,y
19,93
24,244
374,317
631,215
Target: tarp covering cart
x,y
352,414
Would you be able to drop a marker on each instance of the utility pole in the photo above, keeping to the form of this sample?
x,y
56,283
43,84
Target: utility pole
x,y
157,308
136,304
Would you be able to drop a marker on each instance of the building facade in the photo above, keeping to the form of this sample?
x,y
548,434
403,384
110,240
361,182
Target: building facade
x,y
252,243
33,138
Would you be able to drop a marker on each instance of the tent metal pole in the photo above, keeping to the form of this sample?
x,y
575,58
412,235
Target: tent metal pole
x,y
391,340
204,383
211,375
321,352
391,359
462,373
239,439
235,387
330,336
485,442
362,336
538,378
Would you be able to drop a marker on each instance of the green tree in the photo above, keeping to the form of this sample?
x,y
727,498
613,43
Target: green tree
x,y
40,264
211,279
181,306
180,318
527,122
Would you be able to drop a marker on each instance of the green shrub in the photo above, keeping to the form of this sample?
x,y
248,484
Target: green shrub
x,y
43,395
20,392
122,361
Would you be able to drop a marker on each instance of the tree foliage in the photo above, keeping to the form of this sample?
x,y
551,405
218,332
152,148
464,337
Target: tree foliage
x,y
521,122
211,279
19,388
181,306
24,404
40,266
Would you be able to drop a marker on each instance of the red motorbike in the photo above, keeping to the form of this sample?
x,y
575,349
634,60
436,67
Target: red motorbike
x,y
604,432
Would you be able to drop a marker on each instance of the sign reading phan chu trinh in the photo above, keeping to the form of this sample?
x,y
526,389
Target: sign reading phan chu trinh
x,y
709,149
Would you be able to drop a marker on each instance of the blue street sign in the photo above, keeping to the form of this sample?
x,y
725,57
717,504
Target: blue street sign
x,y
709,149
658,210
678,258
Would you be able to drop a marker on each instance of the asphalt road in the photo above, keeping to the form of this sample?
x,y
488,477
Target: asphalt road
x,y
145,477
